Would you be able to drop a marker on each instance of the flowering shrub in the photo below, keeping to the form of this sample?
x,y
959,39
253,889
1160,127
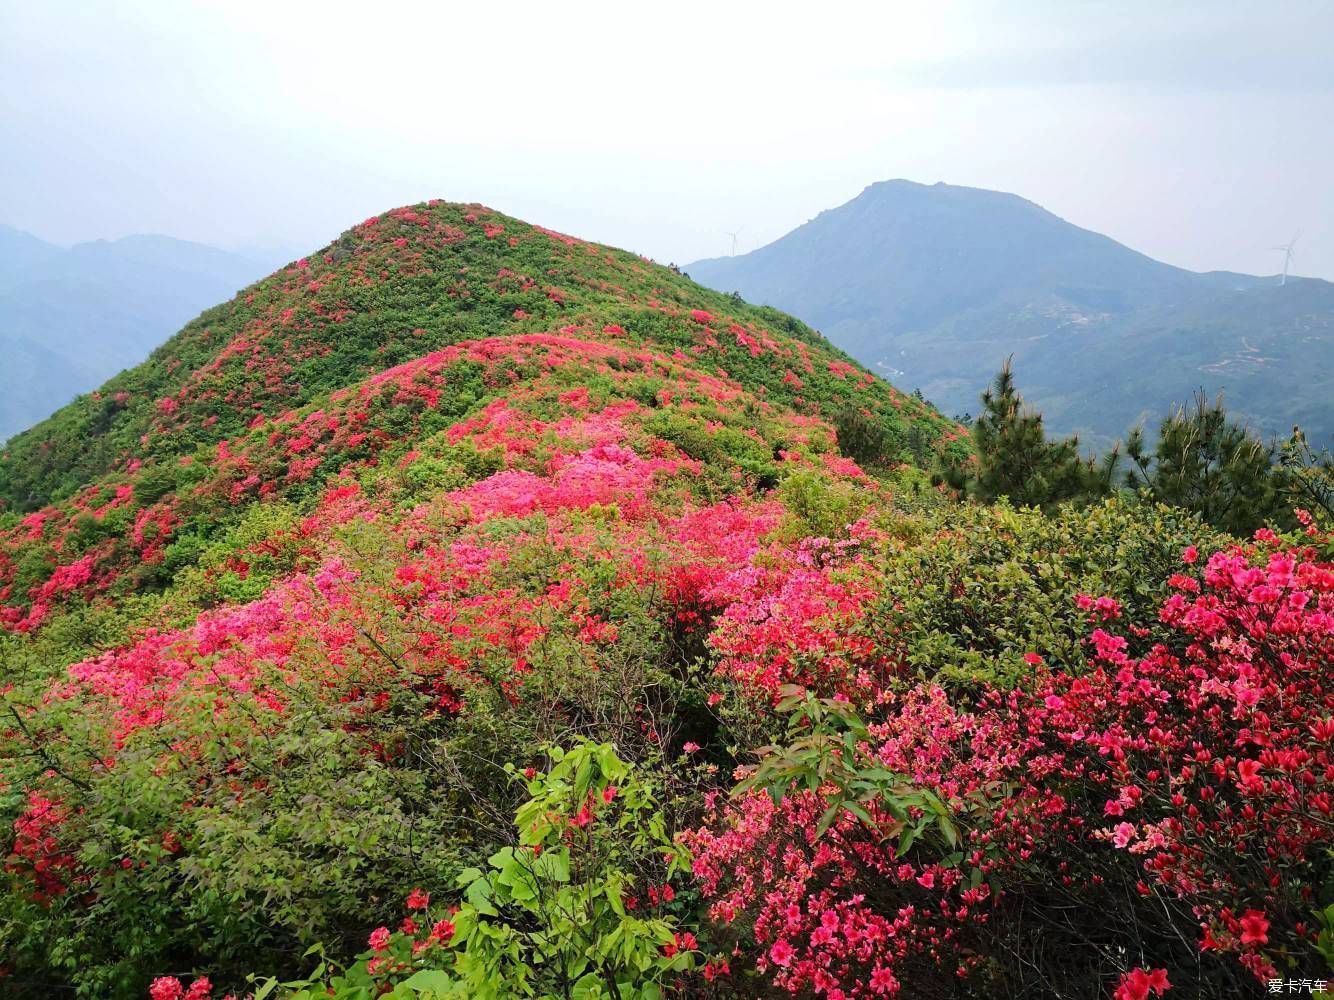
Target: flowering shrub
x,y
431,642
1186,788
286,612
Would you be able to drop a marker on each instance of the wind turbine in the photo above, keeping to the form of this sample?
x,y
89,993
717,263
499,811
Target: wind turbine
x,y
734,236
1287,256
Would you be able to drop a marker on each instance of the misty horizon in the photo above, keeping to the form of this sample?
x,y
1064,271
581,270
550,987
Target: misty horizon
x,y
266,251
1189,134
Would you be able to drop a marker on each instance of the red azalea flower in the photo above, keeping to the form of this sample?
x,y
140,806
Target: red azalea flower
x,y
443,931
1137,984
418,900
1254,927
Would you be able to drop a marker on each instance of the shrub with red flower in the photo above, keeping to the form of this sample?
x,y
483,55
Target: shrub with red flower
x,y
1184,789
1137,984
457,487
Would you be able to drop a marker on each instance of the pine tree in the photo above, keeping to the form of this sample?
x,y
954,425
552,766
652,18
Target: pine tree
x,y
865,439
1015,459
1206,463
1308,476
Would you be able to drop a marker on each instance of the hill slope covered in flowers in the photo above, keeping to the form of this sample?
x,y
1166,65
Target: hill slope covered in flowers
x,y
469,610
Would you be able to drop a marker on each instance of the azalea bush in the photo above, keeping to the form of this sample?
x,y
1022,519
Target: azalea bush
x,y
304,754
195,849
603,620
1171,802
962,596
972,594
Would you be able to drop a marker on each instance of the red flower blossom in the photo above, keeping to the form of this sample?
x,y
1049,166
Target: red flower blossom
x,y
166,988
1137,984
1254,927
418,900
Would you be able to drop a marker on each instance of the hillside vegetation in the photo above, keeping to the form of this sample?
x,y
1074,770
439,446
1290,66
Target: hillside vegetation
x,y
468,610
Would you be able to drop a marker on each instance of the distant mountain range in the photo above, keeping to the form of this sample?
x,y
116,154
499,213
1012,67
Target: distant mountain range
x,y
935,285
72,317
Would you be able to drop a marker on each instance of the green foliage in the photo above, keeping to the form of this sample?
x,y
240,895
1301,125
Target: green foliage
x,y
438,467
1016,460
547,917
820,754
1209,464
818,507
241,846
725,441
1201,461
863,439
1307,486
1324,920
972,589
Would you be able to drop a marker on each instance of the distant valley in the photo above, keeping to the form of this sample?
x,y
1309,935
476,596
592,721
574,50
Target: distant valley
x,y
935,285
72,317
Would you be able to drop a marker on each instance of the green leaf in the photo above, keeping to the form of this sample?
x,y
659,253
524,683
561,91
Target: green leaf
x,y
467,876
906,840
582,778
434,980
479,895
588,987
612,890
827,820
860,812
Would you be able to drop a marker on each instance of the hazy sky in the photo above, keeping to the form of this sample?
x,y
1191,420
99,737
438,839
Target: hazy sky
x,y
1202,134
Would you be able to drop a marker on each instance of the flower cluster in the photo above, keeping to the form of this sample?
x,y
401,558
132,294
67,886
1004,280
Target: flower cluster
x,y
1198,772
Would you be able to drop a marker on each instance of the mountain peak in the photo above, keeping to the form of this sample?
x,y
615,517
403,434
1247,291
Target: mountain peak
x,y
942,189
400,285
937,284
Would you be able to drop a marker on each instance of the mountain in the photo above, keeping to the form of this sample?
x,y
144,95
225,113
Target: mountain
x,y
468,610
441,379
19,251
320,325
934,286
72,317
